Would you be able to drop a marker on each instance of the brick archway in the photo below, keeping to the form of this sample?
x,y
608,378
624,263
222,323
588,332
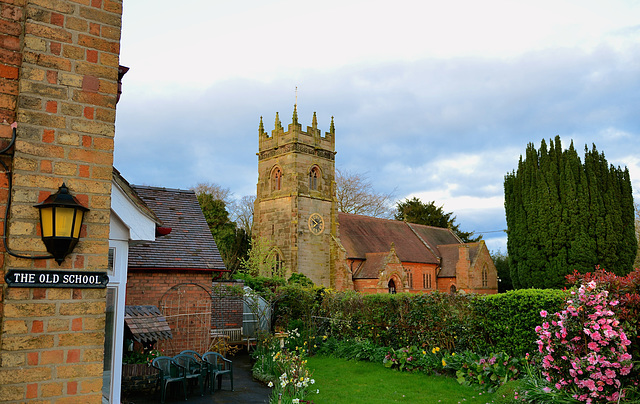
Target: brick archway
x,y
187,309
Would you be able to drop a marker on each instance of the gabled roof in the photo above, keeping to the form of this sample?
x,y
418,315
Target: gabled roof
x,y
361,235
189,246
131,219
371,267
133,196
451,255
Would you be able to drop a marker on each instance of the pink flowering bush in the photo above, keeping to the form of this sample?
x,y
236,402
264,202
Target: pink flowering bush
x,y
584,347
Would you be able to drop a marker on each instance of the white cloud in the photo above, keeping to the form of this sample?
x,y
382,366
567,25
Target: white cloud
x,y
633,164
614,134
434,99
466,204
207,42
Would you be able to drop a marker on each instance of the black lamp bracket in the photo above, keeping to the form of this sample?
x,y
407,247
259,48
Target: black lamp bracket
x,y
7,173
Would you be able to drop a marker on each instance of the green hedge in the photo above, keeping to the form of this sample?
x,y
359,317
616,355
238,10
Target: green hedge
x,y
481,323
508,320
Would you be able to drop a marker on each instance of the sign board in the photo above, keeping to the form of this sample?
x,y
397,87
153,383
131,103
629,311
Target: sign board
x,y
27,278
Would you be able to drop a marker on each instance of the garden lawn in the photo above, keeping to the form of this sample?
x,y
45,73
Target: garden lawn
x,y
353,382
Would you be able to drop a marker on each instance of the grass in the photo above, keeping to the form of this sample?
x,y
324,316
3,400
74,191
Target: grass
x,y
353,382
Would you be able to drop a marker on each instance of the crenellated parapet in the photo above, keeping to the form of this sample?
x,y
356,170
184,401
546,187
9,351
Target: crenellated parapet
x,y
310,141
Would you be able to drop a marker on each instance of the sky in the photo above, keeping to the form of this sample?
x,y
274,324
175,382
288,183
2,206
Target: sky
x,y
431,99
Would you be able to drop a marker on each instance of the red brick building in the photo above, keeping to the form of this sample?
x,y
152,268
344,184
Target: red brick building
x,y
389,256
175,272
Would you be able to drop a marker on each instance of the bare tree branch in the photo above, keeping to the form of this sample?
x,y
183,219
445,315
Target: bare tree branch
x,y
355,194
215,190
244,213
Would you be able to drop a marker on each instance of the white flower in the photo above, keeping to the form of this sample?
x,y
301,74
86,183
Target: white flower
x,y
295,401
317,391
283,383
270,384
313,381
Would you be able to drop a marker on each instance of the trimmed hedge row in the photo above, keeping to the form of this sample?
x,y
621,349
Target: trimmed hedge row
x,y
508,320
481,323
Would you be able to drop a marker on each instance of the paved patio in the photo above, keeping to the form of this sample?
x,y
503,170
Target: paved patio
x,y
246,390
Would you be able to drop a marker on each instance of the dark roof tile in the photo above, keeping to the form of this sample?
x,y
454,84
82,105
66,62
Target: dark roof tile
x,y
190,244
372,266
360,235
146,323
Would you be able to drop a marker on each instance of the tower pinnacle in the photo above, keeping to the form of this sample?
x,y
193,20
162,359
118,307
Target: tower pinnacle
x,y
278,124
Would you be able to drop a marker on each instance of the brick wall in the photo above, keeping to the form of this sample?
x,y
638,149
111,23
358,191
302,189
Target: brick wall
x,y
226,305
58,79
483,260
445,284
184,297
11,19
148,287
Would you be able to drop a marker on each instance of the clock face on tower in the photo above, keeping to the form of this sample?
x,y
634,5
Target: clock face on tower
x,y
316,223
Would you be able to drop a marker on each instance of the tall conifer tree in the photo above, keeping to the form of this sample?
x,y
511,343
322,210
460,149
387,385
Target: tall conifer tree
x,y
564,215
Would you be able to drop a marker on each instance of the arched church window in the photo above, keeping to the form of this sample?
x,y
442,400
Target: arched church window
x,y
452,289
275,264
276,179
485,276
278,265
392,287
314,175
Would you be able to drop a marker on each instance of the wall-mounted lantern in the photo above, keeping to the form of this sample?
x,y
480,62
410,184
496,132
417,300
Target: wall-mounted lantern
x,y
60,220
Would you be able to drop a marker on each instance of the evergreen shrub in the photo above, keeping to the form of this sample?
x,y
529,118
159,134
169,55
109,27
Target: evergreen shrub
x,y
506,322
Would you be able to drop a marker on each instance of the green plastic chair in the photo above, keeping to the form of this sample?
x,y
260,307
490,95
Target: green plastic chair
x,y
219,366
169,372
193,369
204,367
192,353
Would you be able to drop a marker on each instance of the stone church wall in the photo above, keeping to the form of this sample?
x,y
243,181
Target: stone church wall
x,y
282,215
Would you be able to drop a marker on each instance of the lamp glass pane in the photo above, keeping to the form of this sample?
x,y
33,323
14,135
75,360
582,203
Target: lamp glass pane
x,y
78,224
46,215
64,221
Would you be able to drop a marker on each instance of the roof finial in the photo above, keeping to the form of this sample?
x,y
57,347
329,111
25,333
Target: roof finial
x,y
314,122
261,127
332,129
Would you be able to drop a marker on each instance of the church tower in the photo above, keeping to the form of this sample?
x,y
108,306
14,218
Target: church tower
x,y
295,209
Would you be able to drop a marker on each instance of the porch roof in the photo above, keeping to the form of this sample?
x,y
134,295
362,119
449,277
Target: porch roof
x,y
147,323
